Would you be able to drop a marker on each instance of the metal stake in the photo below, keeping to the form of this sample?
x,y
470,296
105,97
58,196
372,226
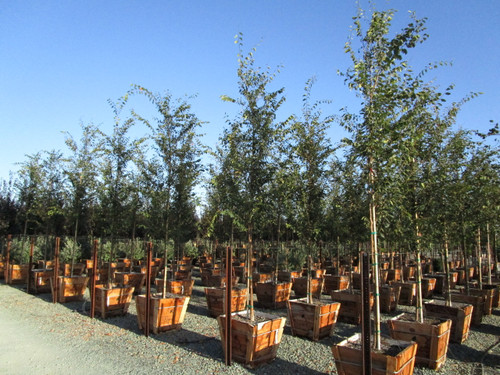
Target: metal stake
x,y
365,314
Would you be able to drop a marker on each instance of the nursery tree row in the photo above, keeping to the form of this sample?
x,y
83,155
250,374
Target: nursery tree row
x,y
404,178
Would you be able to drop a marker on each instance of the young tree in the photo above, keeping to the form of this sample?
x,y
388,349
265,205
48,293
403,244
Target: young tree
x,y
254,137
172,174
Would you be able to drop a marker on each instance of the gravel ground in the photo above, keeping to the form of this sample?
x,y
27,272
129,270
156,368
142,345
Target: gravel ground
x,y
37,336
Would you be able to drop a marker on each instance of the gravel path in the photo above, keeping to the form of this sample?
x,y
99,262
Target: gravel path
x,y
39,337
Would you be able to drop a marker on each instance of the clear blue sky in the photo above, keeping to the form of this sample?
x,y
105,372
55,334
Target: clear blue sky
x,y
62,60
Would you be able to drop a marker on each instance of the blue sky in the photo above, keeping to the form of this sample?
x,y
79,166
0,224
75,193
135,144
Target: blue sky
x,y
62,60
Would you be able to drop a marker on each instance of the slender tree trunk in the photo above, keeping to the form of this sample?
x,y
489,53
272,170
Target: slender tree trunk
x,y
488,249
447,270
479,259
374,250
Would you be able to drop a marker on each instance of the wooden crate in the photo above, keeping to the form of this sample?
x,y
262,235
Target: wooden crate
x,y
165,314
16,274
40,280
261,278
349,357
216,298
428,286
350,306
299,287
273,295
488,297
184,287
389,297
253,343
135,279
78,269
432,337
70,289
335,282
476,301
408,294
312,320
288,276
113,301
460,315
394,275
496,294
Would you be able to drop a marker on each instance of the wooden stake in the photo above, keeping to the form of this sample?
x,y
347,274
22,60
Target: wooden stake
x,y
148,288
365,314
229,289
55,296
30,264
93,279
7,260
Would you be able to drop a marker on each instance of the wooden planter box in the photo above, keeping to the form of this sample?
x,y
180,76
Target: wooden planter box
x,y
335,282
183,287
487,295
135,279
165,314
216,298
78,269
408,294
312,320
261,278
478,306
394,275
299,287
207,273
316,273
350,306
16,274
461,275
432,337
114,301
409,272
288,276
428,286
496,294
241,273
273,296
70,289
40,280
389,297
253,343
460,315
219,281
349,358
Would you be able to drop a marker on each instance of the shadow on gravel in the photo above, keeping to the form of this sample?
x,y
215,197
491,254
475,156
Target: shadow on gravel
x,y
211,347
488,329
205,346
198,309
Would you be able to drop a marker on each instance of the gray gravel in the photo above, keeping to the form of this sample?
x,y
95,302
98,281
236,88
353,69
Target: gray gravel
x,y
39,337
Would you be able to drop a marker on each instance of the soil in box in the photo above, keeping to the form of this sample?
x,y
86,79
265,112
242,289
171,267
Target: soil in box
x,y
432,337
314,320
253,342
